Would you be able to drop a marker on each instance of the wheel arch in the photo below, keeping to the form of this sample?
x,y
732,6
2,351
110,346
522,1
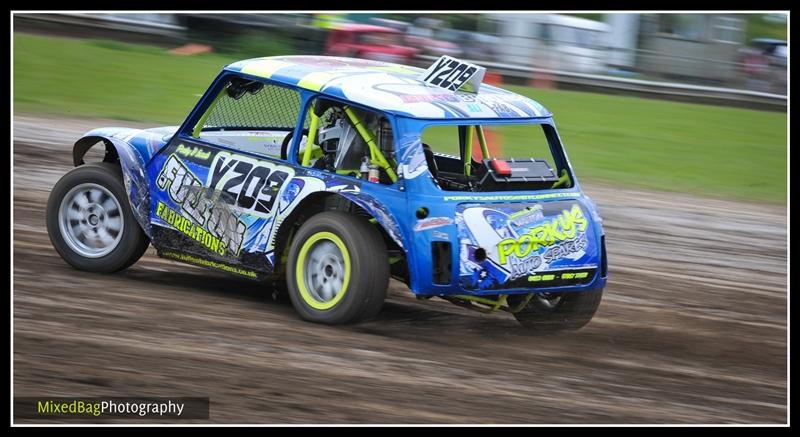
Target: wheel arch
x,y
322,201
133,170
83,145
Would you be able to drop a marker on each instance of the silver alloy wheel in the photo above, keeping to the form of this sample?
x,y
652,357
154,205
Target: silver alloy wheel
x,y
324,271
548,300
90,220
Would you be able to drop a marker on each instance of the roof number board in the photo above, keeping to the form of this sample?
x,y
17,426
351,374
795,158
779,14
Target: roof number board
x,y
454,75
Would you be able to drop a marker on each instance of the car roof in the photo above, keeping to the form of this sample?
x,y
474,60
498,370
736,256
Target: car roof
x,y
388,87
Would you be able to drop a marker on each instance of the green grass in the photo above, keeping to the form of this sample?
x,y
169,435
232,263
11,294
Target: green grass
x,y
672,146
628,141
108,79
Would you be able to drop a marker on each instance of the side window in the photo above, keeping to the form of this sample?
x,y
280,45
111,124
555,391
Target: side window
x,y
348,141
503,141
531,151
251,116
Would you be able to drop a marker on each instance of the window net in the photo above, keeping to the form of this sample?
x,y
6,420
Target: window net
x,y
272,107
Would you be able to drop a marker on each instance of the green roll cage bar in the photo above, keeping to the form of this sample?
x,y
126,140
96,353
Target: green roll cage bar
x,y
376,156
468,149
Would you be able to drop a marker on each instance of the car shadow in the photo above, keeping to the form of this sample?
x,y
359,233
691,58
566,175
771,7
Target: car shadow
x,y
402,316
206,282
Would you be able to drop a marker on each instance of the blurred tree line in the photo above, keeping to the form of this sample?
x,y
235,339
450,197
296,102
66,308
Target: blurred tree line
x,y
766,26
285,37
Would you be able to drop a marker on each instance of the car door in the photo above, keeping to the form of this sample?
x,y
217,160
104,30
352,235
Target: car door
x,y
215,186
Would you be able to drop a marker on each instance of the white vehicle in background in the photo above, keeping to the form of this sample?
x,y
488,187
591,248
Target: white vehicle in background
x,y
426,34
552,41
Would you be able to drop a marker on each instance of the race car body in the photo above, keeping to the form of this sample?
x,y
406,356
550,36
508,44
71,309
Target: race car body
x,y
322,172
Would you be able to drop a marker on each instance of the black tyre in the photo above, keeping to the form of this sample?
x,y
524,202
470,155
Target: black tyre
x,y
338,269
90,222
553,312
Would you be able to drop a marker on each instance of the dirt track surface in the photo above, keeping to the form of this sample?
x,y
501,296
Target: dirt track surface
x,y
692,327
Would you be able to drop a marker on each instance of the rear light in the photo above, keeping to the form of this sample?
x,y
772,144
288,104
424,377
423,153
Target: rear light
x,y
501,167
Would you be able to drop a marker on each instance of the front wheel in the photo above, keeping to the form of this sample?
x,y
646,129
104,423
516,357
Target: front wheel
x,y
553,312
338,269
90,222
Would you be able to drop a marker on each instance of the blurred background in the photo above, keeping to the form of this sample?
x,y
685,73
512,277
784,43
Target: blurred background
x,y
611,79
742,51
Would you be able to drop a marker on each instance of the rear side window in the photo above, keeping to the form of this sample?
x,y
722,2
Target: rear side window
x,y
531,154
522,141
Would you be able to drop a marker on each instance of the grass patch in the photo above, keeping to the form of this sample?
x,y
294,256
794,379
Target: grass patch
x,y
628,141
671,146
108,79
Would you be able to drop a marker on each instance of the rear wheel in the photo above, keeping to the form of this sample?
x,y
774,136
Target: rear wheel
x,y
338,269
90,222
553,312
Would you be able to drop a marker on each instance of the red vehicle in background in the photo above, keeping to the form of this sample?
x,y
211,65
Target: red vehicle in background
x,y
367,41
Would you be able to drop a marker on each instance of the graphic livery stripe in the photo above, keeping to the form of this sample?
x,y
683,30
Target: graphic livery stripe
x,y
398,69
314,81
264,67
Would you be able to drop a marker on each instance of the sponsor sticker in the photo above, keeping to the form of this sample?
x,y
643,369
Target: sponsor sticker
x,y
440,234
251,185
432,222
536,245
210,214
198,153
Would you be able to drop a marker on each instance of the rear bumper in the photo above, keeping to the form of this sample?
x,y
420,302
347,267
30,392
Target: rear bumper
x,y
548,282
488,249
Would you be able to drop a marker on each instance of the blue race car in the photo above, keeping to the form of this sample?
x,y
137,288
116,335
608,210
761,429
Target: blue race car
x,y
331,175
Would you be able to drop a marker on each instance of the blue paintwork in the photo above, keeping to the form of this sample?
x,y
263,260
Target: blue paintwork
x,y
146,152
135,148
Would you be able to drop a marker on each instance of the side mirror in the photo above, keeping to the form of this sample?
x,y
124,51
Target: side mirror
x,y
239,88
235,92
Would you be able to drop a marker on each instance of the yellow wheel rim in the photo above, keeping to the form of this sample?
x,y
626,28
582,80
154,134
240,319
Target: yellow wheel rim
x,y
323,270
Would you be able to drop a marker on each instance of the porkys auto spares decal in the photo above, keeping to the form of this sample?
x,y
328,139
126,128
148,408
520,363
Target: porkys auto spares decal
x,y
525,245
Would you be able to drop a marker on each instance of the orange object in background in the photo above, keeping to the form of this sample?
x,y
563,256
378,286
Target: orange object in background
x,y
492,78
494,142
493,139
191,49
477,154
542,80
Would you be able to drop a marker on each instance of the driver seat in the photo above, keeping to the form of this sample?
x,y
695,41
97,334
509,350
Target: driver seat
x,y
431,160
